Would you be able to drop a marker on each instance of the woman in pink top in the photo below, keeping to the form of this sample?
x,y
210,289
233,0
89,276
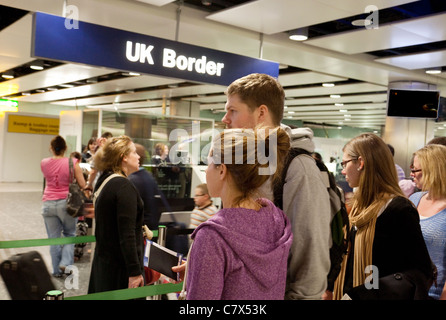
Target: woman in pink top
x,y
58,222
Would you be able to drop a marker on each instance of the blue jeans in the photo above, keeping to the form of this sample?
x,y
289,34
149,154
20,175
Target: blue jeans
x,y
59,224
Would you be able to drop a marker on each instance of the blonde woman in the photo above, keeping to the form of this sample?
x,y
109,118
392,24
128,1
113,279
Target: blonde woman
x,y
119,212
429,172
387,238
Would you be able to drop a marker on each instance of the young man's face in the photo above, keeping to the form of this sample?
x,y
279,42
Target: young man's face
x,y
238,114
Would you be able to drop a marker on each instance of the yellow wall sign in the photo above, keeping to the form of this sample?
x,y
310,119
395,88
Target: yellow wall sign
x,y
33,125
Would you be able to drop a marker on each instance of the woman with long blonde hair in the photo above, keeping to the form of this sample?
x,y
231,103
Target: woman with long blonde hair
x,y
429,172
386,233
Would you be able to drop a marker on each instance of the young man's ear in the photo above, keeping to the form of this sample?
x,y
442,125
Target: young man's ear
x,y
263,115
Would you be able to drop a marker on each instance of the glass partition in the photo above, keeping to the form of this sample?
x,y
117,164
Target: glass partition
x,y
173,144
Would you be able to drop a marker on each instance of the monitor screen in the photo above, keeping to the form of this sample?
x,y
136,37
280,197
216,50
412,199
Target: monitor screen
x,y
413,103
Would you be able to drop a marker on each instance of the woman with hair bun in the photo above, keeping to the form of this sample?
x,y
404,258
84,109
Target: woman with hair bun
x,y
58,223
241,252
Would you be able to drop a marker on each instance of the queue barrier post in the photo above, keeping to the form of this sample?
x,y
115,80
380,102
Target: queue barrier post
x,y
54,295
162,233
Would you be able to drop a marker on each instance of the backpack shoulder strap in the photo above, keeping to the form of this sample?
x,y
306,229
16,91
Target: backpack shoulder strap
x,y
96,194
278,187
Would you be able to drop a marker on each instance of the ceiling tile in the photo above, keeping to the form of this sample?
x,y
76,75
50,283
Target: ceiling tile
x,y
97,88
273,16
16,43
307,77
341,89
408,33
54,76
417,61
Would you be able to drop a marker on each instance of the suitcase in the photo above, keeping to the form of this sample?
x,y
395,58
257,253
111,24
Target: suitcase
x,y
26,276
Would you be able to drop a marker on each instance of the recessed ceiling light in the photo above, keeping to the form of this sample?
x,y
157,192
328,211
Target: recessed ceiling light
x,y
433,71
300,34
328,85
298,38
133,74
335,96
361,22
37,65
8,75
339,104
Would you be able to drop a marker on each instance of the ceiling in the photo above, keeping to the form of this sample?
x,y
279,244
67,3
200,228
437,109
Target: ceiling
x,y
359,62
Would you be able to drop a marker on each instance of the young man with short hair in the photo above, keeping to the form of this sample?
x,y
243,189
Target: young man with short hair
x,y
259,99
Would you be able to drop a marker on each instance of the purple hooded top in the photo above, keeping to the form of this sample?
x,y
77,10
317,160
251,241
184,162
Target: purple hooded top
x,y
240,254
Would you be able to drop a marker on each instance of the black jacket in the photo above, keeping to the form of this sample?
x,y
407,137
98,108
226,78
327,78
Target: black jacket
x,y
399,254
119,241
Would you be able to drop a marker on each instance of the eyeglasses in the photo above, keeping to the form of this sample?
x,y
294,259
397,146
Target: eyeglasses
x,y
344,163
413,171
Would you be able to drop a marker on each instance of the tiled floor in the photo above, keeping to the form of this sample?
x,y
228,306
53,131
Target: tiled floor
x,y
20,219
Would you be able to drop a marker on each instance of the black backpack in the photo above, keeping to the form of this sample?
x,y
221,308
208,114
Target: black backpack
x,y
339,222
